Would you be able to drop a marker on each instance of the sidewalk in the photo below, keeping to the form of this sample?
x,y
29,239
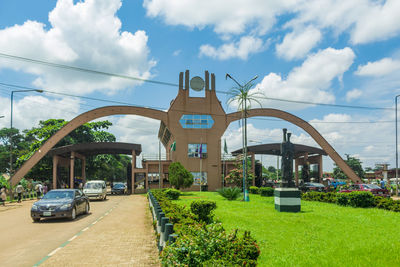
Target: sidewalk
x,y
123,237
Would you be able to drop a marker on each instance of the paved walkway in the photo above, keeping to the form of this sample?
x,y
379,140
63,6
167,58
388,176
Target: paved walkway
x,y
123,236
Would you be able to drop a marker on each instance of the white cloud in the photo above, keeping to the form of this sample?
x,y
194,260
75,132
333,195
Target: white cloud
x,y
379,22
298,43
43,107
176,53
379,68
86,34
353,94
227,17
302,83
242,49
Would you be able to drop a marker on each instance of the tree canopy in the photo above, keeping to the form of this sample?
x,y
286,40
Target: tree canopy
x,y
354,163
179,177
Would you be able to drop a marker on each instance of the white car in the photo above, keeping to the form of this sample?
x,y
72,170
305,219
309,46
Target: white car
x,y
95,189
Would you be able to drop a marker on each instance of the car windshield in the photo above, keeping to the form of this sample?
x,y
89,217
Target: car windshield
x,y
92,186
316,185
119,186
59,195
371,186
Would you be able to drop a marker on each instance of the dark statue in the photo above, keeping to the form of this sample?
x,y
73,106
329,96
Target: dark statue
x,y
287,153
305,173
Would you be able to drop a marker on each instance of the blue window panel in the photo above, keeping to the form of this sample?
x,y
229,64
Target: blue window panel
x,y
196,121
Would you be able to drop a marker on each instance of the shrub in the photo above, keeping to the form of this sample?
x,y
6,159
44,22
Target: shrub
x,y
210,245
230,193
361,199
254,190
320,196
266,191
203,210
172,194
342,199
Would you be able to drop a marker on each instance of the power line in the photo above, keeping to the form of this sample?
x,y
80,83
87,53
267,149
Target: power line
x,y
68,67
161,108
56,65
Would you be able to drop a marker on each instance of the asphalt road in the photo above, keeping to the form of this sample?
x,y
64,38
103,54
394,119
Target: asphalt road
x,y
24,243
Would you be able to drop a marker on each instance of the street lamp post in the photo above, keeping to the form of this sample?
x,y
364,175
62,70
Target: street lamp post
x,y
11,127
397,155
244,132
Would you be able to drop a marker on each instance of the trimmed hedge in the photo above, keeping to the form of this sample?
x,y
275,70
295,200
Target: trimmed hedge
x,y
266,191
172,194
203,210
254,190
201,244
357,199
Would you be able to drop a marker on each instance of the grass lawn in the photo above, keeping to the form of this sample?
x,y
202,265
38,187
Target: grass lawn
x,y
322,234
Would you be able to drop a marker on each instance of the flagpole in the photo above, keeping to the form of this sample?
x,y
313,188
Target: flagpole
x,y
201,160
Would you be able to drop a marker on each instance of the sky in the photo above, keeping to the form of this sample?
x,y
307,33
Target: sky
x,y
343,56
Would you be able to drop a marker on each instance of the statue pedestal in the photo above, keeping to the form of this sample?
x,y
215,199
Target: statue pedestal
x,y
287,199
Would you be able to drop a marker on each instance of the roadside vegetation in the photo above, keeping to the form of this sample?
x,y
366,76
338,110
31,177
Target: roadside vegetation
x,y
322,234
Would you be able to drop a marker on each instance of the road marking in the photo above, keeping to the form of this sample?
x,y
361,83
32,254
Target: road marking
x,y
54,252
72,238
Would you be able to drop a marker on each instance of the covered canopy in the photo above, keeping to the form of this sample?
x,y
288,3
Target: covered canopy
x,y
90,149
275,149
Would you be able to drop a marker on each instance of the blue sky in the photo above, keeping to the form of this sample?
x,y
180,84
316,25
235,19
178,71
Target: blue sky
x,y
325,51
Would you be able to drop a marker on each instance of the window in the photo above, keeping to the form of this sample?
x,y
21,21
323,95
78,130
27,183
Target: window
x,y
195,149
192,121
197,177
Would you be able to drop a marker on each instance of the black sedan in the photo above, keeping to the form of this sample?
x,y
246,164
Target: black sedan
x,y
119,189
60,203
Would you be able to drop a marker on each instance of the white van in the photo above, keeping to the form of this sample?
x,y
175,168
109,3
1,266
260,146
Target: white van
x,y
95,189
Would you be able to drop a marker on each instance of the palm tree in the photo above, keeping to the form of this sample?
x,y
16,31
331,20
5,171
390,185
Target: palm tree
x,y
244,98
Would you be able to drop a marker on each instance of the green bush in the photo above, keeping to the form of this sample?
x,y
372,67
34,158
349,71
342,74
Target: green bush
x,y
266,191
387,203
254,190
342,199
361,199
179,177
172,194
210,245
329,197
230,193
203,210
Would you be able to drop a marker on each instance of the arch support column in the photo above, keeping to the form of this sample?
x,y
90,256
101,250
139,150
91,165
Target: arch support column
x,y
71,170
55,166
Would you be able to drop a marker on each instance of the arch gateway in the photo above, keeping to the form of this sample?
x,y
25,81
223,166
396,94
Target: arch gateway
x,y
193,126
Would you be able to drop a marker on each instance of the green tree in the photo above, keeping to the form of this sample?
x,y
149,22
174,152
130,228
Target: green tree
x,y
354,164
179,177
98,167
235,176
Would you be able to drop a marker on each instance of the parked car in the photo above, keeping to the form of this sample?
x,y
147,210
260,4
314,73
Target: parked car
x,y
118,189
60,203
306,187
95,189
373,188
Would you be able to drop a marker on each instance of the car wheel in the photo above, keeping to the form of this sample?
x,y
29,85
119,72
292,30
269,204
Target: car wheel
x,y
36,220
87,208
73,214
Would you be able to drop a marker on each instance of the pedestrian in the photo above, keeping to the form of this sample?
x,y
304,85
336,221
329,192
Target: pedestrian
x,y
38,189
3,196
45,188
382,184
19,189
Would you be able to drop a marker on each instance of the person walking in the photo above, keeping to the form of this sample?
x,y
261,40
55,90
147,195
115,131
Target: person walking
x,y
38,189
45,188
3,195
19,189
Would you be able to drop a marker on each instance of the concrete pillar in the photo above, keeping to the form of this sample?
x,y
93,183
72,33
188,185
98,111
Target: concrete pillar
x,y
133,171
320,167
296,171
55,165
162,176
71,170
84,170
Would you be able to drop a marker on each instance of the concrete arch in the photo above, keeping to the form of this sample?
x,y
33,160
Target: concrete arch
x,y
306,127
78,121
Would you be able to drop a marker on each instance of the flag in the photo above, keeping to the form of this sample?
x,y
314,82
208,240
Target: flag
x,y
225,147
173,146
200,150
